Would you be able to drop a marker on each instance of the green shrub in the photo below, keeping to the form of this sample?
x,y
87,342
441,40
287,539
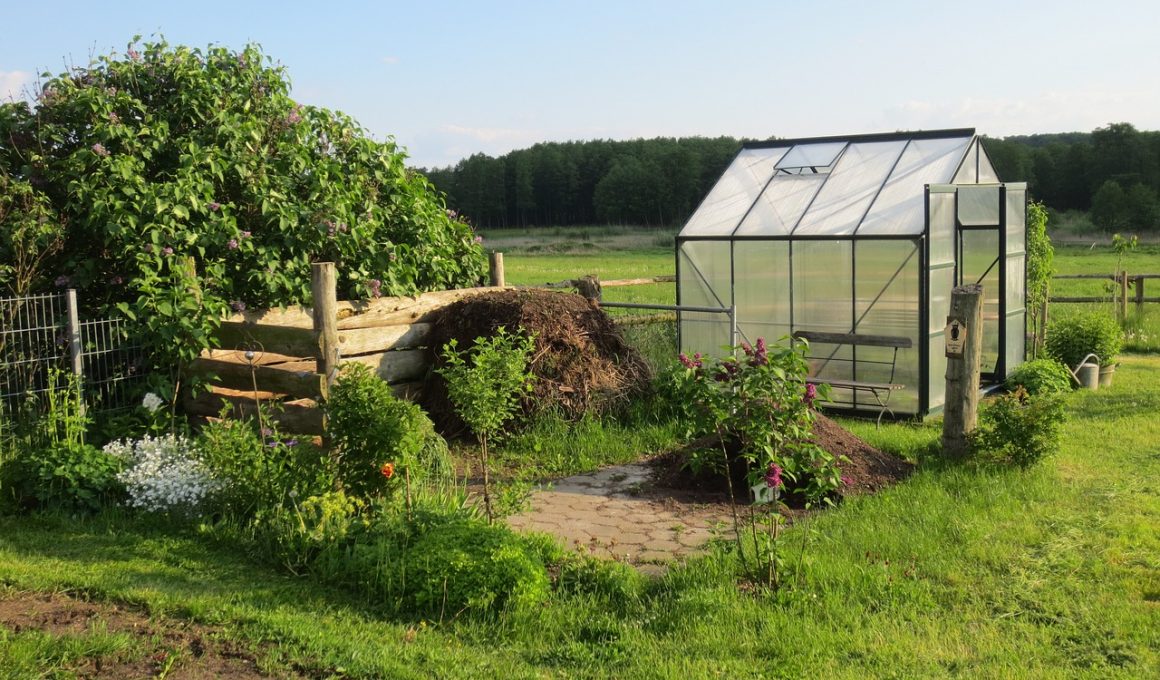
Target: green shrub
x,y
308,535
378,435
259,468
1019,428
1070,339
1041,376
614,582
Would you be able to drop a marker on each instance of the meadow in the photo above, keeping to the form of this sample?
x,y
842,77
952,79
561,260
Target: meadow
x,y
962,570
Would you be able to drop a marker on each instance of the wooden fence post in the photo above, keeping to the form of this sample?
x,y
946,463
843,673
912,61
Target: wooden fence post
x,y
1123,295
495,274
1139,294
325,306
964,355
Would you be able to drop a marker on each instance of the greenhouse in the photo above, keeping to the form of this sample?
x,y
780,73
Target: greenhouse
x,y
854,244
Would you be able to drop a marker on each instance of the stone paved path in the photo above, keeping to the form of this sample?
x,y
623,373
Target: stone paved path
x,y
606,513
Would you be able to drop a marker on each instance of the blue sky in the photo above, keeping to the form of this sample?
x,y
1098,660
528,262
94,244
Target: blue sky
x,y
449,79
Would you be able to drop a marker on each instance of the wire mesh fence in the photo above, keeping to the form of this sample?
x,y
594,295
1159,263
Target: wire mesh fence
x,y
40,339
653,335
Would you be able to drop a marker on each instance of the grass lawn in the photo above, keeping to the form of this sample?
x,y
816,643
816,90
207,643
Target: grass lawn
x,y
959,571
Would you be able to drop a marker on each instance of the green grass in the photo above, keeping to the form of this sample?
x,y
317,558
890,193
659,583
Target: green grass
x,y
959,571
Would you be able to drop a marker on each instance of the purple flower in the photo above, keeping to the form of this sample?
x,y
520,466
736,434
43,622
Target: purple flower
x,y
232,244
291,442
685,360
134,54
167,250
238,306
245,234
62,281
773,476
479,239
376,287
811,393
847,481
294,118
114,118
214,206
100,150
266,432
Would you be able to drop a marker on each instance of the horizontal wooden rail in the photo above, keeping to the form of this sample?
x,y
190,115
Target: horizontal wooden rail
x,y
1104,299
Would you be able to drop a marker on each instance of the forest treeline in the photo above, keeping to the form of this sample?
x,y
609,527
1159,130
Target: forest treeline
x,y
1113,172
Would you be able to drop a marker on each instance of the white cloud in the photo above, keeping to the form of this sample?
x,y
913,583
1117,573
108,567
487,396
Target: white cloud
x,y
12,84
486,134
1051,111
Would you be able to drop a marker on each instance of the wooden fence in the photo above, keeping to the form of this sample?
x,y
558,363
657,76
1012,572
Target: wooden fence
x,y
1124,282
292,355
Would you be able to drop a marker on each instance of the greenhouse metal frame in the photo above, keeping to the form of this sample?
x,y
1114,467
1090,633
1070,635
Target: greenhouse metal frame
x,y
855,243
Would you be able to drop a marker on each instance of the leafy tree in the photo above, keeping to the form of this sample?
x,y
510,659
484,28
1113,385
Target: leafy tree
x,y
1040,268
1142,208
190,182
1109,209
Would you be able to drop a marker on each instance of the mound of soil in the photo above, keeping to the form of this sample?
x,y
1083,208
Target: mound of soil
x,y
581,362
865,470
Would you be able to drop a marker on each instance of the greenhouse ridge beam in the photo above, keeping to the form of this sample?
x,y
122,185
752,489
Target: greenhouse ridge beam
x,y
872,137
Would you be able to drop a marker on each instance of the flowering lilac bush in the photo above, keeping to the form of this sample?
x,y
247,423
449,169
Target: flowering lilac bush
x,y
759,400
185,180
163,474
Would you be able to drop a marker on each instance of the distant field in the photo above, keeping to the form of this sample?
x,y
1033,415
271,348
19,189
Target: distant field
x,y
538,256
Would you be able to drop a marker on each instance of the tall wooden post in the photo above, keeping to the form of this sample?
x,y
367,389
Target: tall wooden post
x,y
964,345
1139,294
495,262
323,288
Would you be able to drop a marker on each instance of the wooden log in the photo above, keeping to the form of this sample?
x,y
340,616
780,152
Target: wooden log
x,y
961,410
1139,294
294,417
670,278
298,381
363,314
325,318
258,358
383,338
396,367
495,270
285,340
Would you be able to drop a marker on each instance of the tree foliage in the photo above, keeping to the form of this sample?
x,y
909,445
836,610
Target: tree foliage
x,y
189,182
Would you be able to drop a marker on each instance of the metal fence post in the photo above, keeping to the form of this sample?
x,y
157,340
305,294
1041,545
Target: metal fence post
x,y
733,325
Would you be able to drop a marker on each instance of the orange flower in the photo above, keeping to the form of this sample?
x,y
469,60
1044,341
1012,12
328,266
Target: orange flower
x,y
388,470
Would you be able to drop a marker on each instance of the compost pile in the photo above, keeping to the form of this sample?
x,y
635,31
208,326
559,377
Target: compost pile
x,y
865,470
581,362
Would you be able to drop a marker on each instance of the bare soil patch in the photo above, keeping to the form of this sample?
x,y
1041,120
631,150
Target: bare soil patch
x,y
175,648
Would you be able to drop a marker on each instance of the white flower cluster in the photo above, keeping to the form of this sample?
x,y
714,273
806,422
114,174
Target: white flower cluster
x,y
152,402
163,473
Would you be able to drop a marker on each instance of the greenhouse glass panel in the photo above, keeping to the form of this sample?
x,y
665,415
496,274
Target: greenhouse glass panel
x,y
734,193
762,289
822,285
942,228
822,288
887,303
936,378
898,209
818,155
1016,220
979,206
1016,341
942,281
705,281
852,186
1015,282
968,171
781,205
979,263
987,174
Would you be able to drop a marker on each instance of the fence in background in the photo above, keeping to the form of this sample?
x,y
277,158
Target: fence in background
x,y
41,334
1123,282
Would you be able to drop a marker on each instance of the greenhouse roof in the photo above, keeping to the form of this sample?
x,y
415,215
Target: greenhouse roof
x,y
869,185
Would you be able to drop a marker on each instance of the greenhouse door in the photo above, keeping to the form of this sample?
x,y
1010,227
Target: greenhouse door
x,y
981,256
